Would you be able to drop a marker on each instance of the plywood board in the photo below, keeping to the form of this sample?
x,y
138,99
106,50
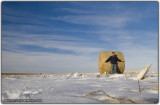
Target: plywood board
x,y
143,72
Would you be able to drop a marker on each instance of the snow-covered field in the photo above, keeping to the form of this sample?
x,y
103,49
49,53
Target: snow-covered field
x,y
67,88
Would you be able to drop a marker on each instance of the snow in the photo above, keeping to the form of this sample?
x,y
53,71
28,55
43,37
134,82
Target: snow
x,y
72,88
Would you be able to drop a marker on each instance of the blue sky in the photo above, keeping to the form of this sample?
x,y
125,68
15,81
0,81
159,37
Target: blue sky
x,y
63,37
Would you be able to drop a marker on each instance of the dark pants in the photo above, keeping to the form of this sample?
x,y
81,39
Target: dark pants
x,y
114,68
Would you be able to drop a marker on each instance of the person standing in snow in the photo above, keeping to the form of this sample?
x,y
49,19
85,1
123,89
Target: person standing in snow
x,y
113,59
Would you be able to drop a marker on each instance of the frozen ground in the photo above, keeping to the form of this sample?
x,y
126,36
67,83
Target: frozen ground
x,y
74,88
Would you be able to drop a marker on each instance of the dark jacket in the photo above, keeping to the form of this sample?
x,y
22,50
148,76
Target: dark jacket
x,y
113,59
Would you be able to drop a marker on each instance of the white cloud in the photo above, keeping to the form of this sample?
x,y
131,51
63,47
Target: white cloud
x,y
142,37
77,11
109,21
28,61
47,62
137,57
61,42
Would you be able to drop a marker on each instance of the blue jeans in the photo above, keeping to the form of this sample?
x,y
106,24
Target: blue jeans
x,y
114,68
